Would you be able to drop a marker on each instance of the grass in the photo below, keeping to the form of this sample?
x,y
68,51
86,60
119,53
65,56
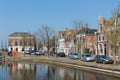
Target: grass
x,y
114,64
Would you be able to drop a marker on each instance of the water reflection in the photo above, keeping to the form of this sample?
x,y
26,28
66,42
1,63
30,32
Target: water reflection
x,y
29,71
20,71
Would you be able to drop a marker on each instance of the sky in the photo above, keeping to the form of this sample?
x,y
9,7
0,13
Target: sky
x,y
29,15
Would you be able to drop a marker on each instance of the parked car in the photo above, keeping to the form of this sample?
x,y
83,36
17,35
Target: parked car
x,y
61,54
33,52
74,55
27,51
39,53
9,53
103,59
87,57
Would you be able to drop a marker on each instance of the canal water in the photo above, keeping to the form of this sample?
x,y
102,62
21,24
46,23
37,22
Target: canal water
x,y
30,71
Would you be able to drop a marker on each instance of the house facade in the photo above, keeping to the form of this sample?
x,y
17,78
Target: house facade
x,y
103,45
101,42
85,39
65,41
21,41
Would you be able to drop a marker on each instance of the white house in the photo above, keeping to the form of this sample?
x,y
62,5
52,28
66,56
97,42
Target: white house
x,y
65,41
21,41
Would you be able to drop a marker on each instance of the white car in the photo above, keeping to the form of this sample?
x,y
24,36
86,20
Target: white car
x,y
74,55
87,57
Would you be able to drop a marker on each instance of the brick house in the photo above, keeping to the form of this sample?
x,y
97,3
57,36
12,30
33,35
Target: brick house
x,y
106,48
100,39
65,41
107,24
21,41
85,38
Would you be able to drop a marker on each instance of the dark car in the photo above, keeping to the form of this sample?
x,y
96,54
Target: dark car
x,y
60,54
33,52
87,57
103,59
10,53
30,52
39,52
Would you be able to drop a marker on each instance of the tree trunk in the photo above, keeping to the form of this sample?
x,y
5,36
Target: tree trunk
x,y
48,49
118,55
114,57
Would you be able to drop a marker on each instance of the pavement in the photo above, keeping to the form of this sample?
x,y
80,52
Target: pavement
x,y
64,59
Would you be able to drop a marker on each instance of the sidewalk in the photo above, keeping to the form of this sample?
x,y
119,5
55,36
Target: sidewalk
x,y
65,60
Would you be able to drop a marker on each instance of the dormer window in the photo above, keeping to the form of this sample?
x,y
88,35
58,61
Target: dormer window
x,y
100,27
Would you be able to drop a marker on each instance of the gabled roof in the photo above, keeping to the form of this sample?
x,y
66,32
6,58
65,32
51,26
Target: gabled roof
x,y
87,31
20,34
67,34
109,22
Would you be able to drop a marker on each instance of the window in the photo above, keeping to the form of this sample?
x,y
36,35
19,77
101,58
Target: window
x,y
16,44
105,45
99,38
101,48
102,37
101,27
16,49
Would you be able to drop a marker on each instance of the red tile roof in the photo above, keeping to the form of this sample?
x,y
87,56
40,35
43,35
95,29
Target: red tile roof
x,y
67,34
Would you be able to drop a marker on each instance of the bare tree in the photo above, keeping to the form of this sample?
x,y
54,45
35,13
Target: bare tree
x,y
77,24
116,12
80,39
37,42
45,34
52,41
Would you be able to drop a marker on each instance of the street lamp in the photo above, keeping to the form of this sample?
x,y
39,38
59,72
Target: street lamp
x,y
96,33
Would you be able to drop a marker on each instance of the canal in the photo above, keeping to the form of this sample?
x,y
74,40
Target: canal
x,y
31,71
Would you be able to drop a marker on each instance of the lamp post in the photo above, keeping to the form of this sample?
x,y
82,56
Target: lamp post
x,y
96,33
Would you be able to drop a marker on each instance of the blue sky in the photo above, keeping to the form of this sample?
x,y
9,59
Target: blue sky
x,y
29,15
